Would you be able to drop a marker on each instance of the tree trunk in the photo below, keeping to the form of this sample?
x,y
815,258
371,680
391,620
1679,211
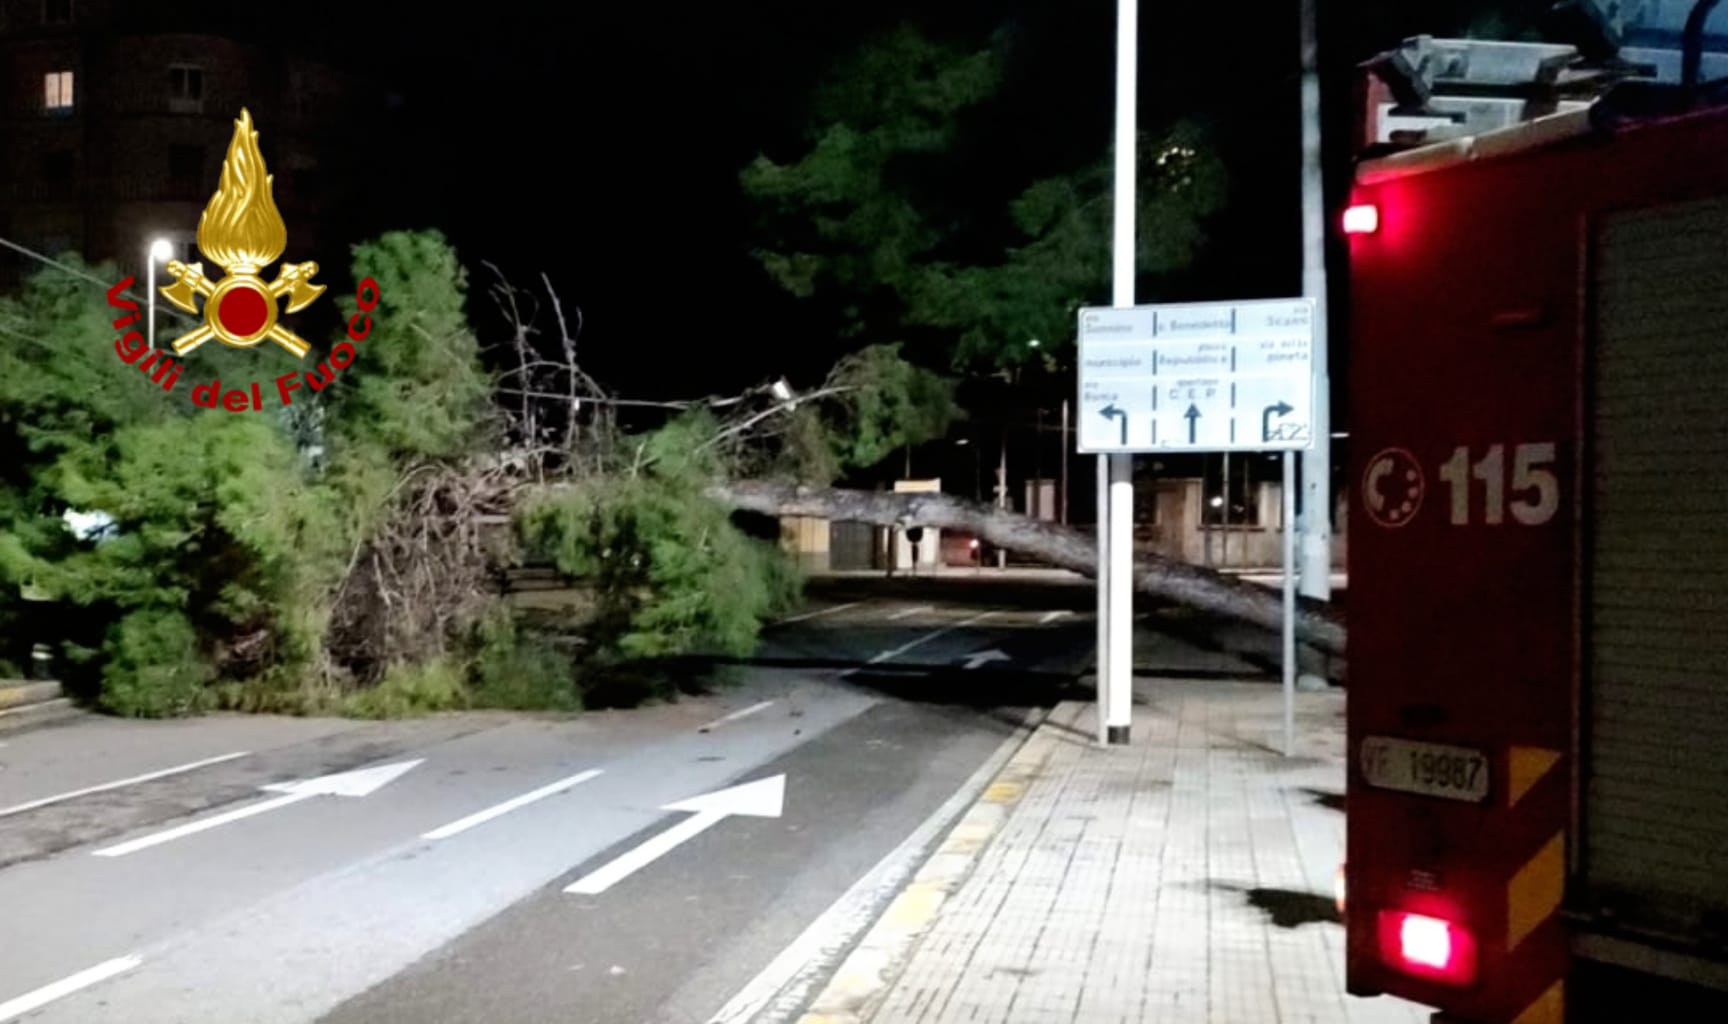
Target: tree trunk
x,y
1317,624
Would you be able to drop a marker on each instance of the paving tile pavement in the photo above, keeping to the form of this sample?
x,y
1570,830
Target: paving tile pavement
x,y
1184,879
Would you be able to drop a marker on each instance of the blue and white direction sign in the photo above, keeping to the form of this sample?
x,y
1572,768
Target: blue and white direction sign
x,y
1223,376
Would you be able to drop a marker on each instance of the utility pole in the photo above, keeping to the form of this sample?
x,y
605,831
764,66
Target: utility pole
x,y
1062,498
1002,493
1316,515
1037,508
1224,557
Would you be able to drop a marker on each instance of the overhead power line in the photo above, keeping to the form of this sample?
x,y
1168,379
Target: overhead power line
x,y
81,275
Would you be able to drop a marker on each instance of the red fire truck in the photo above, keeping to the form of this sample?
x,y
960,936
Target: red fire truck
x,y
1538,616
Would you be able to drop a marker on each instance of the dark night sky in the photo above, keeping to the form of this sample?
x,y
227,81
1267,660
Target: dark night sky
x,y
601,143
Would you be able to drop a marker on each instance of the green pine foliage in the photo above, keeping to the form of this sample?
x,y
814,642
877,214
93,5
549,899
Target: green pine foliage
x,y
670,573
216,583
417,390
882,221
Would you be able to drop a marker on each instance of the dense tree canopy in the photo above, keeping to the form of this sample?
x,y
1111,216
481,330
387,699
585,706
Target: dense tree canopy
x,y
888,217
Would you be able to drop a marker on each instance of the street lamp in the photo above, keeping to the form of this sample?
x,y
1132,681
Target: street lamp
x,y
781,390
160,251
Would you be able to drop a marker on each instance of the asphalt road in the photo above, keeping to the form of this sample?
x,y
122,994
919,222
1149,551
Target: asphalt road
x,y
148,875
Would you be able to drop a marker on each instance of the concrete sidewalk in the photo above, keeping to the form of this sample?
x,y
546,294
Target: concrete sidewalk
x,y
1185,879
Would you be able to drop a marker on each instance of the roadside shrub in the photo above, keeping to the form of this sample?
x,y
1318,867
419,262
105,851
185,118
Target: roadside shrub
x,y
516,670
672,575
154,668
408,690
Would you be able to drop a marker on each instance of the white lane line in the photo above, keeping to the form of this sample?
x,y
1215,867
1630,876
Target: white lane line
x,y
779,994
15,1008
734,716
117,784
821,611
1049,617
158,838
926,638
906,613
354,784
497,810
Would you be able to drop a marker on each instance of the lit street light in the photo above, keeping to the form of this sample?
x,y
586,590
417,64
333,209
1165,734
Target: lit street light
x,y
160,251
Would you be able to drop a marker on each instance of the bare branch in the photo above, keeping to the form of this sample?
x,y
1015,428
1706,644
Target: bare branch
x,y
744,425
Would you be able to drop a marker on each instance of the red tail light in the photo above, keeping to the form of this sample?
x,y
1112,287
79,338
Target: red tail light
x,y
1427,947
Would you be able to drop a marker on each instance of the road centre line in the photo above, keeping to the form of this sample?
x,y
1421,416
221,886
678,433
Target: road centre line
x,y
831,609
15,1008
119,783
736,715
498,810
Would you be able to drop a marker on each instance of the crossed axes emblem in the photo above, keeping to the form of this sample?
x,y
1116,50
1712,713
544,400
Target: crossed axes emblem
x,y
293,280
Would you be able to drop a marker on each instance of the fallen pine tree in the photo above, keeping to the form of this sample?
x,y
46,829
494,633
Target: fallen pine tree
x,y
1317,624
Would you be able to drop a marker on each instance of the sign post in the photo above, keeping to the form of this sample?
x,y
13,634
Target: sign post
x,y
1116,470
1288,521
1190,377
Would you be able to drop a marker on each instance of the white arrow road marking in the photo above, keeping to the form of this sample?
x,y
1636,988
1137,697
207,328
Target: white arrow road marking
x,y
764,798
781,992
906,613
118,783
734,716
12,1009
822,611
360,782
498,810
985,657
1049,617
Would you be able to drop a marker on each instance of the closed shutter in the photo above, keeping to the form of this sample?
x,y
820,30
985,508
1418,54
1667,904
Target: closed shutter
x,y
851,546
1655,825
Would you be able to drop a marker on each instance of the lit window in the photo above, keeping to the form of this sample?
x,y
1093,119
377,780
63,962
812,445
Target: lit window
x,y
57,90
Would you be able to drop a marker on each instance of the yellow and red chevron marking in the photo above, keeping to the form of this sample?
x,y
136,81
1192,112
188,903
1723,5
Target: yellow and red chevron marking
x,y
1531,972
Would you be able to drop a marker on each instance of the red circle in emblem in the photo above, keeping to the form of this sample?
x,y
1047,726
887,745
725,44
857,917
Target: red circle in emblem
x,y
243,311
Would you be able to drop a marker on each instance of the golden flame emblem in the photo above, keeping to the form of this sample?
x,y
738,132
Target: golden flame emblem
x,y
242,232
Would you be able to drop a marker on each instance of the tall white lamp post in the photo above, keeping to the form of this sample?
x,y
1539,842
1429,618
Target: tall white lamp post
x,y
160,251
